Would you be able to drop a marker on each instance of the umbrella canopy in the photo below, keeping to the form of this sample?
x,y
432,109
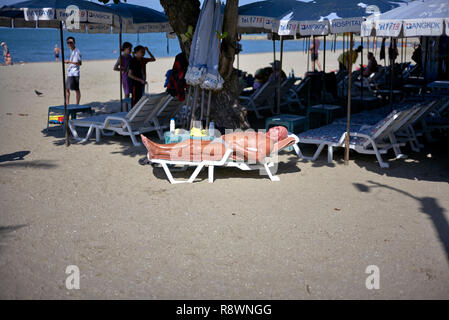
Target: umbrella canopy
x,y
417,18
258,17
48,14
307,18
322,17
139,19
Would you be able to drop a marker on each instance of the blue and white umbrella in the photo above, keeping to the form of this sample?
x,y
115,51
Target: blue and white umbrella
x,y
308,18
259,17
75,14
417,18
139,19
324,17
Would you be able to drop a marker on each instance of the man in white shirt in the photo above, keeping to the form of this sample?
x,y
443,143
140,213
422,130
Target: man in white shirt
x,y
73,71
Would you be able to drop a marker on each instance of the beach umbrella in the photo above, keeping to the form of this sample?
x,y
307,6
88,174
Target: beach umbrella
x,y
136,19
213,79
265,17
334,17
425,18
199,49
204,54
417,18
76,15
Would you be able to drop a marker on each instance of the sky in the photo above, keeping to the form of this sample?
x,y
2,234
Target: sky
x,y
154,4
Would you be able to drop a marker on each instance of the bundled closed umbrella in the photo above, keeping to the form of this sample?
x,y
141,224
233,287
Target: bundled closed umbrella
x,y
199,50
213,79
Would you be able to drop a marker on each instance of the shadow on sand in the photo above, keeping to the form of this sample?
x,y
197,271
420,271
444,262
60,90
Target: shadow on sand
x,y
429,206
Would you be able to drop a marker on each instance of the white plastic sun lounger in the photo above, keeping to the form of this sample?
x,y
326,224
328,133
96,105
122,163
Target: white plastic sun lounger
x,y
225,161
261,99
140,119
364,139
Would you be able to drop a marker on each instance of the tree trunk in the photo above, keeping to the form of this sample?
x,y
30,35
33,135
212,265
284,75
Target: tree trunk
x,y
225,109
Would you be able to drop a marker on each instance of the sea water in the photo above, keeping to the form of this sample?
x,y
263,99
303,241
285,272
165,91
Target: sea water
x,y
36,45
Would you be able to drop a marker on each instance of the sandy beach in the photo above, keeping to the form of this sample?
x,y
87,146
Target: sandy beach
x,y
133,235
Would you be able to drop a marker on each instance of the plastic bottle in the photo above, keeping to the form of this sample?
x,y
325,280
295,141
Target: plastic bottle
x,y
293,73
172,125
211,128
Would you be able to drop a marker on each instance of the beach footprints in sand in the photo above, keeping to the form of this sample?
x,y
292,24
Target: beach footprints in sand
x,y
20,114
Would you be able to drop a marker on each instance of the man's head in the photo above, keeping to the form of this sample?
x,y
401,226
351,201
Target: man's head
x,y
71,42
3,44
139,52
277,133
359,49
127,47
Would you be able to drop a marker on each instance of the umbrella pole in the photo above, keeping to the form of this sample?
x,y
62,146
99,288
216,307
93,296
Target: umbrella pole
x,y
324,55
274,49
120,61
402,51
405,50
348,119
202,105
308,52
209,98
66,120
279,76
426,56
185,117
391,73
195,102
361,76
324,70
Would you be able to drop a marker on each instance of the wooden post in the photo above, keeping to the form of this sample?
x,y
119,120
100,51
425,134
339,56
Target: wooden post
x,y
120,59
361,76
348,116
66,117
279,77
324,55
392,45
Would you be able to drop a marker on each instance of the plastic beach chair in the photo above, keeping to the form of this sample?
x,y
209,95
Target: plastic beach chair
x,y
143,117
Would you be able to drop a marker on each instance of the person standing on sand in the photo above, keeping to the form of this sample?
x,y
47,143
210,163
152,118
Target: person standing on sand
x,y
137,72
6,55
314,50
73,71
125,58
56,51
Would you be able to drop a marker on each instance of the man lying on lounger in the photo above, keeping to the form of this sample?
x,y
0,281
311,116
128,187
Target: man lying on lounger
x,y
249,146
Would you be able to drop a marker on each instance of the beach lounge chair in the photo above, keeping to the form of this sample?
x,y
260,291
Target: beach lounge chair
x,y
212,154
261,99
295,93
405,133
140,119
363,139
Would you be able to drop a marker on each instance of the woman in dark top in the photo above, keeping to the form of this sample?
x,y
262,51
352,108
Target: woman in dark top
x,y
137,72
